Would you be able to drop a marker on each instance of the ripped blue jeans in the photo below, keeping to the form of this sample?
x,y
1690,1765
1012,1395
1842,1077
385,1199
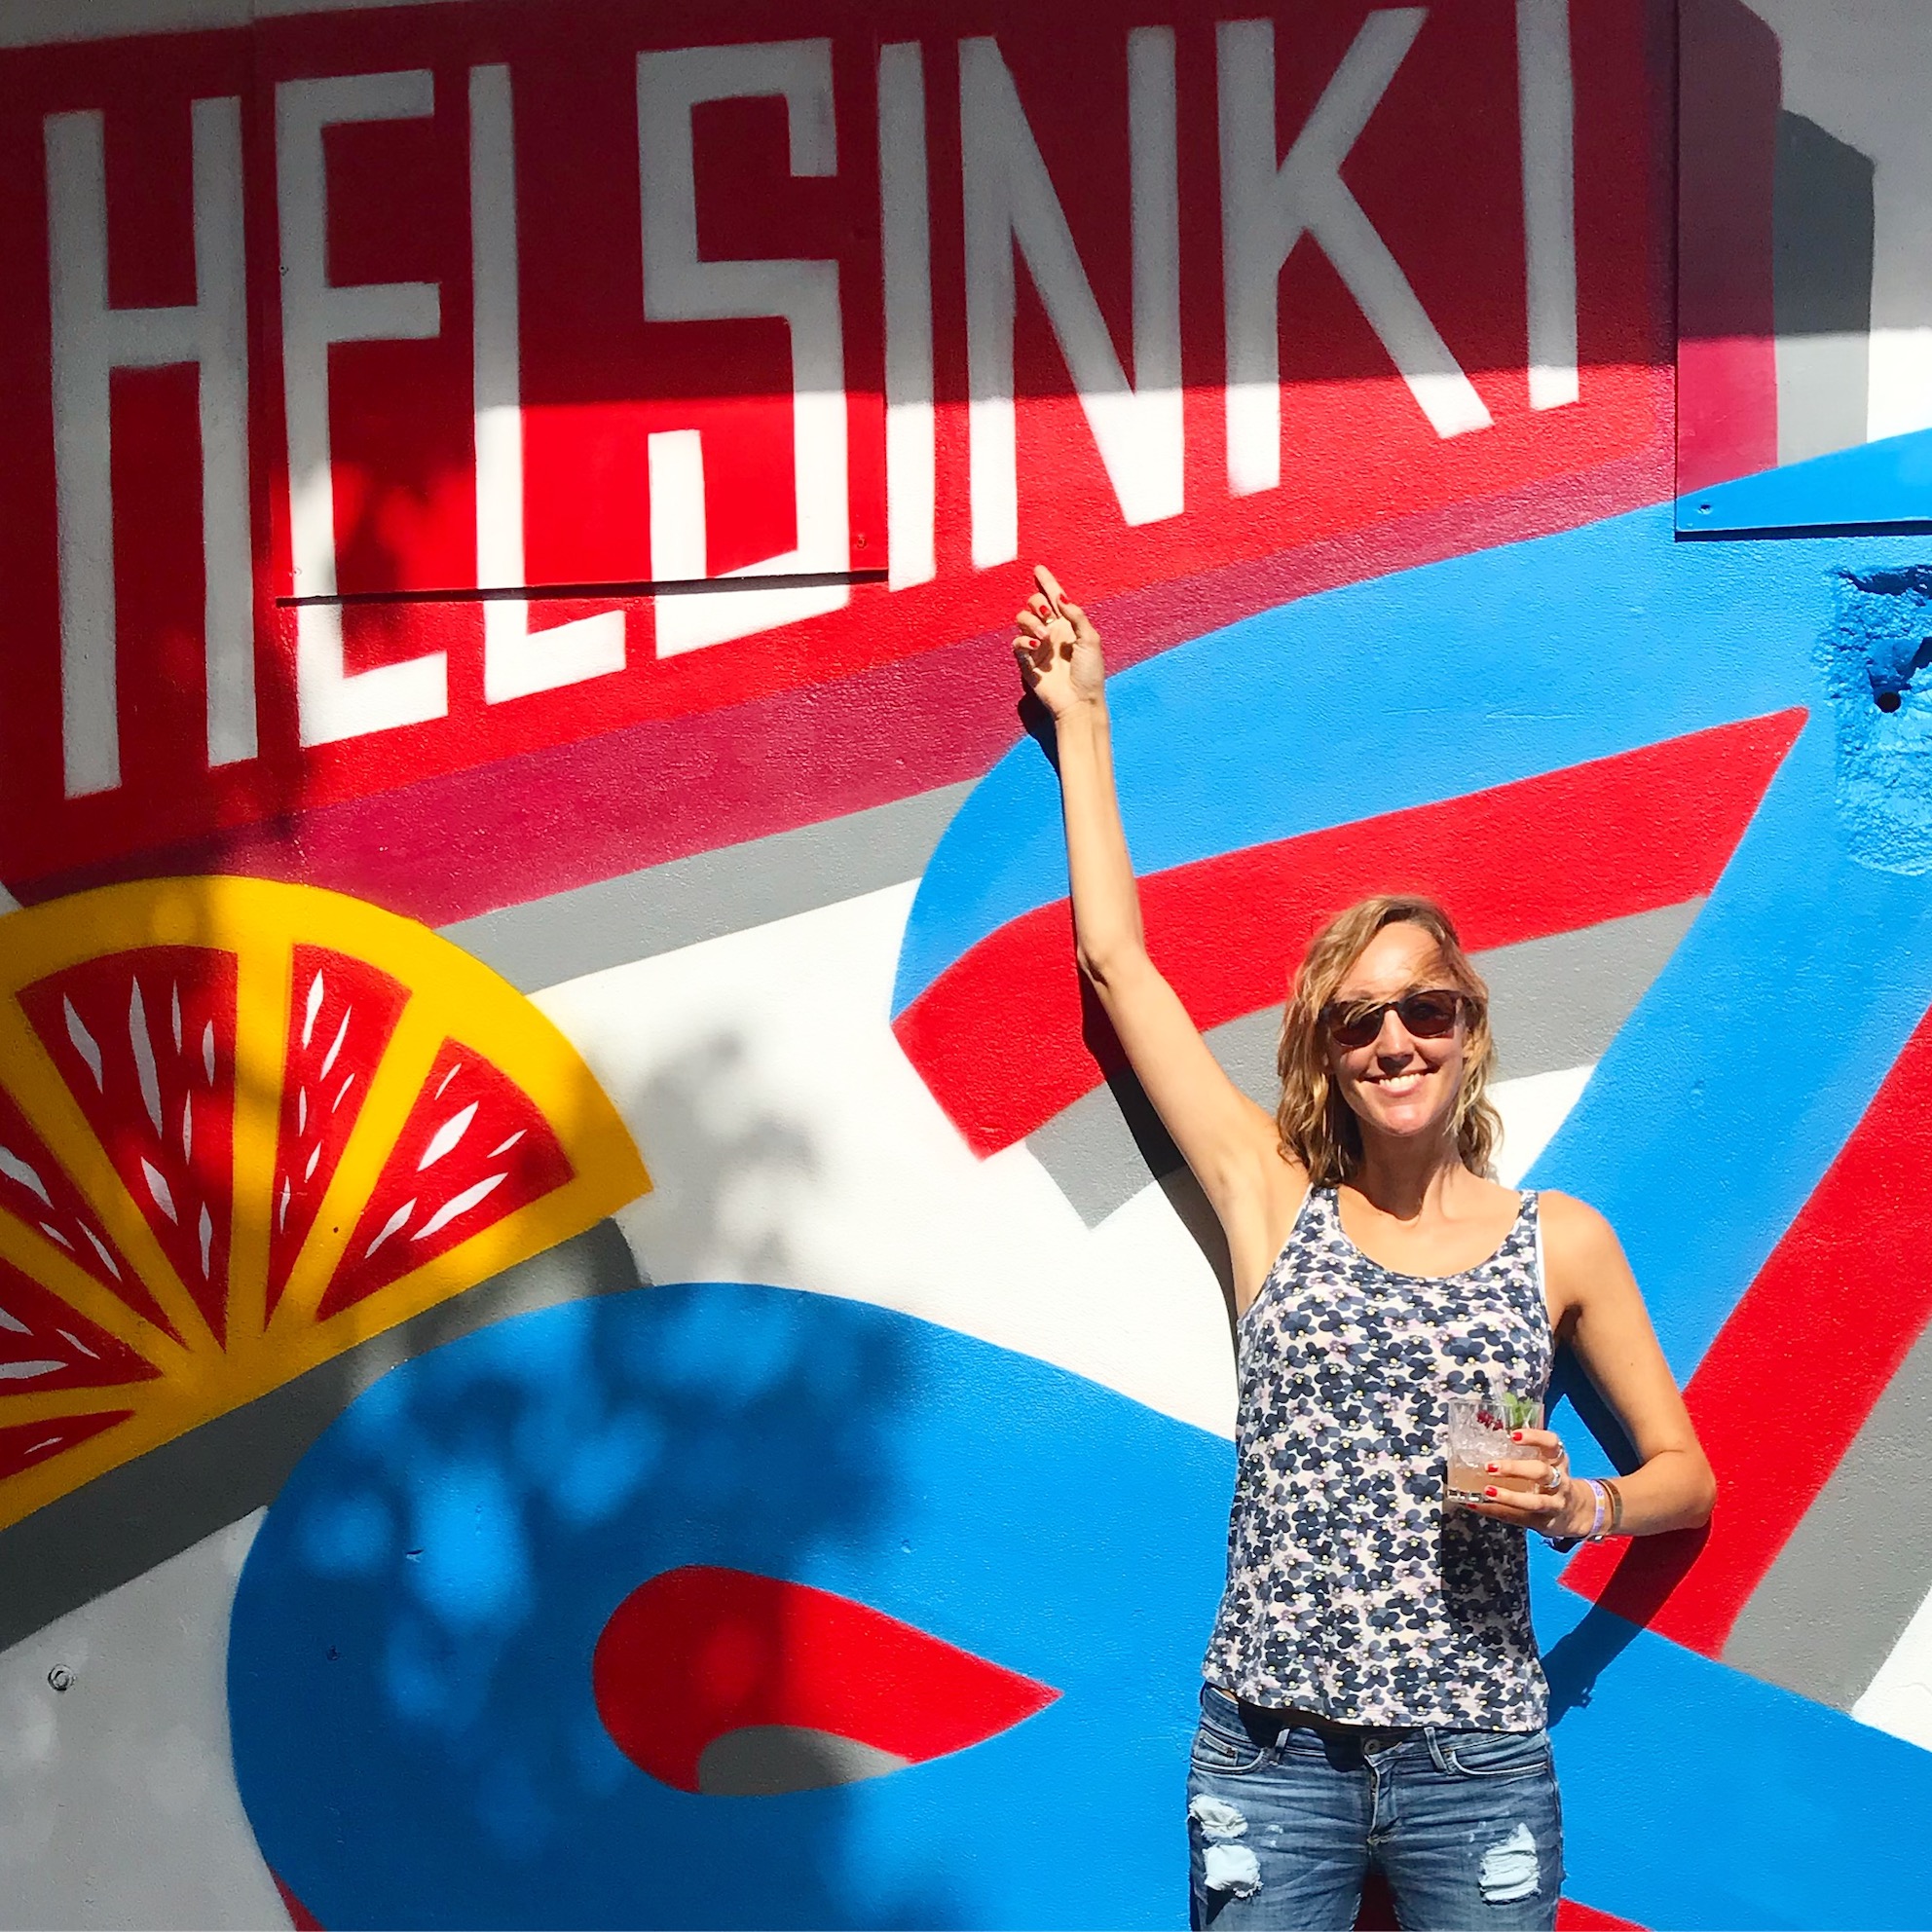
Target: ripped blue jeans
x,y
1285,1821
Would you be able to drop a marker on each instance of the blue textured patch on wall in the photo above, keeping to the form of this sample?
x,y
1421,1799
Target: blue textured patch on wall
x,y
1877,657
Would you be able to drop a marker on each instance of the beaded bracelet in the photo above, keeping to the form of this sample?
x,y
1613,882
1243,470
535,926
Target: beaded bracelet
x,y
1596,1532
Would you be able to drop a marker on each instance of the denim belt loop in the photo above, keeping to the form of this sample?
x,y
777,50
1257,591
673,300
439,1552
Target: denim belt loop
x,y
1432,1738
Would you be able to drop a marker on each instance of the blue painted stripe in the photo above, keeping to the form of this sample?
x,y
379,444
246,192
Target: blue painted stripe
x,y
1698,1798
422,1603
1401,691
1734,1084
1887,481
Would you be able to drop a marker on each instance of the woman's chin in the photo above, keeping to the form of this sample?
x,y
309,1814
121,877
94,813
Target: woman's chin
x,y
1402,1120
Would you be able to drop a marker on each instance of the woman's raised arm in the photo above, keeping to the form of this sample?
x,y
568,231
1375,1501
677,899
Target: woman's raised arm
x,y
1227,1139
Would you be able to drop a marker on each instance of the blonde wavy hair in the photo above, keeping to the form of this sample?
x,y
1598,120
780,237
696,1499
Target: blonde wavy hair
x,y
1317,1126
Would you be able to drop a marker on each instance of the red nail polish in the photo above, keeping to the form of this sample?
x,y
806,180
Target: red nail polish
x,y
1489,1492
1492,1469
1516,1437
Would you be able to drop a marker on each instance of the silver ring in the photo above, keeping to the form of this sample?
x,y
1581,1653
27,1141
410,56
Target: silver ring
x,y
1555,1481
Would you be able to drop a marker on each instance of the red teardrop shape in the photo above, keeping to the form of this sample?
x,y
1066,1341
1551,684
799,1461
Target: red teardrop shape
x,y
699,1652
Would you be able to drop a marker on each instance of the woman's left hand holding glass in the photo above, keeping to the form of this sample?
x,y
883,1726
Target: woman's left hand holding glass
x,y
1534,1490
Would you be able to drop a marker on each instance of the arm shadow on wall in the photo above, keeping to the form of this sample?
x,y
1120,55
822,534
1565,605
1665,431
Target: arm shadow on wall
x,y
1648,1570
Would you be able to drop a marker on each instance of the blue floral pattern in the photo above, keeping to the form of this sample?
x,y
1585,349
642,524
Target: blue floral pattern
x,y
1350,1593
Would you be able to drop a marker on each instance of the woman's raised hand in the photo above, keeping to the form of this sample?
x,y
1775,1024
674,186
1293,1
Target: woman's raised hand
x,y
1059,651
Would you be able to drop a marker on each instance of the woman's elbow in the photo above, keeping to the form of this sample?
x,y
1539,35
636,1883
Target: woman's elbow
x,y
1703,1496
1104,963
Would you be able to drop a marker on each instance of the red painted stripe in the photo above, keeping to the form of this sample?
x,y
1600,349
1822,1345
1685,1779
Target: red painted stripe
x,y
1570,848
542,821
1730,90
699,1651
1794,1373
1574,1917
300,1917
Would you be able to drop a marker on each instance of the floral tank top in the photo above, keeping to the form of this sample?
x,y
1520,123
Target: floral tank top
x,y
1350,1593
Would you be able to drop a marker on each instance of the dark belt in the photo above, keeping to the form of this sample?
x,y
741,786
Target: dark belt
x,y
1271,1721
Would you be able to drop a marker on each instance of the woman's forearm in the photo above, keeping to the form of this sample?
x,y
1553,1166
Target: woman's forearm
x,y
1673,1491
1106,904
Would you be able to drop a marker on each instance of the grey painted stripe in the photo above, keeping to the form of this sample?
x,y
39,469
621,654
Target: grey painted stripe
x,y
127,1521
1838,1599
767,1760
1559,1001
1553,1002
615,920
1822,260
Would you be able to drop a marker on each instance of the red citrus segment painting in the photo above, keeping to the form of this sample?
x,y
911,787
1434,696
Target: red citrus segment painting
x,y
35,1187
699,1651
474,1149
145,1041
44,1344
342,1014
26,1445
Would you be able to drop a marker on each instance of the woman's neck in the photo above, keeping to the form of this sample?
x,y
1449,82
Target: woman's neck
x,y
1408,1179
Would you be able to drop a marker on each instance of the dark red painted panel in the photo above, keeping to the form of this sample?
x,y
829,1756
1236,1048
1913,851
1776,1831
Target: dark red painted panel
x,y
1729,93
1794,1373
696,1653
1550,854
598,379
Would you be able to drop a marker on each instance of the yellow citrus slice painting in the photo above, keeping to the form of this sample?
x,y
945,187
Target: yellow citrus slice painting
x,y
245,1125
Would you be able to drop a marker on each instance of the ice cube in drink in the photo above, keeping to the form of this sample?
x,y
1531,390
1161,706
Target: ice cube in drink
x,y
1480,1431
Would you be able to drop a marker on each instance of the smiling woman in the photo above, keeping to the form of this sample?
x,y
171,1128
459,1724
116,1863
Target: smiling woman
x,y
1374,1696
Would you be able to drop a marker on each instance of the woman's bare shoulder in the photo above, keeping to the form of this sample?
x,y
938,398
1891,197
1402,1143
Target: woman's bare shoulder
x,y
1568,1219
1578,1244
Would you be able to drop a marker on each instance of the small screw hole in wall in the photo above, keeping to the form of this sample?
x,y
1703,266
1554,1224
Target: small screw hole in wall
x,y
1889,700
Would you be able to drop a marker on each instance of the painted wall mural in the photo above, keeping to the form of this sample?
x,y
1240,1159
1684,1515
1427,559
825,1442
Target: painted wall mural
x,y
511,518
364,368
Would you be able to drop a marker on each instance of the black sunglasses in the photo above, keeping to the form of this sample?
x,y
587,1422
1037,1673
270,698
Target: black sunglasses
x,y
1430,1015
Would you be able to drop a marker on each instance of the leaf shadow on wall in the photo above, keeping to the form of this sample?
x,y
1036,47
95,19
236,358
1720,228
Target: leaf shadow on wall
x,y
479,1516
